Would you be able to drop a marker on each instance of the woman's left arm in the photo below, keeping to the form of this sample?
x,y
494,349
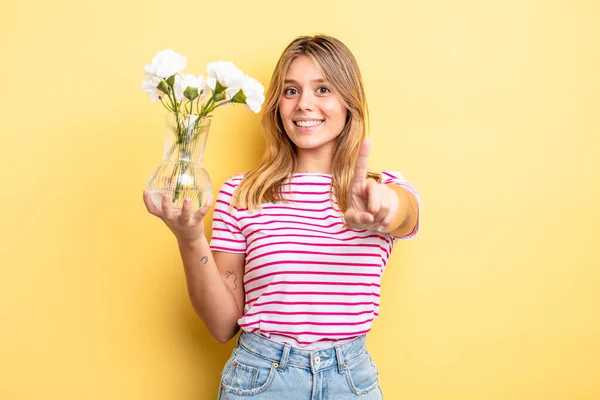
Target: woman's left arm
x,y
389,207
405,218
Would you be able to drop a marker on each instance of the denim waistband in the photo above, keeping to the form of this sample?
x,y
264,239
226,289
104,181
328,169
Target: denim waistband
x,y
315,360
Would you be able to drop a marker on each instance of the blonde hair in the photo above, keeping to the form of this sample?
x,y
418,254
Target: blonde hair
x,y
263,184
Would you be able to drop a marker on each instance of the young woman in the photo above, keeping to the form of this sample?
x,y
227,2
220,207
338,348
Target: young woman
x,y
299,243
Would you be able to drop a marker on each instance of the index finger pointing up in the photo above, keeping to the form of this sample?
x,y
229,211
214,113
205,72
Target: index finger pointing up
x,y
360,168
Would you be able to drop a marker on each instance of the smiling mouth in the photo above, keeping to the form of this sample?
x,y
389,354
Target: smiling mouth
x,y
308,124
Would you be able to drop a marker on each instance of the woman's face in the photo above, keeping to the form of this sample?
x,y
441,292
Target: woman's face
x,y
313,116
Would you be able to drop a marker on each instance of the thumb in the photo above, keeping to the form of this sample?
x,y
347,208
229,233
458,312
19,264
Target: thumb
x,y
357,219
204,210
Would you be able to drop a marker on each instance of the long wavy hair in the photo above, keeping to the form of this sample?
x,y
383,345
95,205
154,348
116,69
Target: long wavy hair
x,y
264,183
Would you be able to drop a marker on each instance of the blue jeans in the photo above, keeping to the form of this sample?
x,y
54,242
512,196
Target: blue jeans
x,y
260,368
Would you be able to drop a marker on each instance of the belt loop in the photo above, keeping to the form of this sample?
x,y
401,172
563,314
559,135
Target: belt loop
x,y
284,357
340,359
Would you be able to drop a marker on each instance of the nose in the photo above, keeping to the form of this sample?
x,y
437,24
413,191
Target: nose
x,y
305,101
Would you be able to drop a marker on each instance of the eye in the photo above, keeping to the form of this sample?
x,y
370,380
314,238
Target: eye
x,y
290,91
323,90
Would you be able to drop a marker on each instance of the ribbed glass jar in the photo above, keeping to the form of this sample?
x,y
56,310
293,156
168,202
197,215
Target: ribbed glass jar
x,y
180,173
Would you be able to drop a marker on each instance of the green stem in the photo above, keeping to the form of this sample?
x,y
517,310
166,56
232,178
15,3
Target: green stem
x,y
178,140
174,100
166,105
217,105
210,101
177,182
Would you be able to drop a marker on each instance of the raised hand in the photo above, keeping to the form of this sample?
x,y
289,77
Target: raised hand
x,y
188,227
371,205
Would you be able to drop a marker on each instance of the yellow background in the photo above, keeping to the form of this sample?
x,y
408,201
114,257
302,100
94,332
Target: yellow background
x,y
489,107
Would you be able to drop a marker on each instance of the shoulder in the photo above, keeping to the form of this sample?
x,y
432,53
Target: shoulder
x,y
390,176
386,176
229,186
227,190
233,181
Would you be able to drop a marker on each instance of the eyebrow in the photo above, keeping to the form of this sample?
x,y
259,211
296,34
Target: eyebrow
x,y
312,81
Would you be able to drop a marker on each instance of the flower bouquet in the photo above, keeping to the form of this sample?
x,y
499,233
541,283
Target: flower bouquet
x,y
190,101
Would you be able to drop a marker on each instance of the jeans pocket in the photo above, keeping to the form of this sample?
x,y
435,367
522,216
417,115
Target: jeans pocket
x,y
246,374
362,374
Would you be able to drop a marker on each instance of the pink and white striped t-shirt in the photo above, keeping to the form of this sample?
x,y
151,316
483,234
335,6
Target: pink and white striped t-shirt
x,y
309,281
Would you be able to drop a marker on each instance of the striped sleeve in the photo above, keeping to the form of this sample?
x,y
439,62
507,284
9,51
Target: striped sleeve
x,y
226,233
394,177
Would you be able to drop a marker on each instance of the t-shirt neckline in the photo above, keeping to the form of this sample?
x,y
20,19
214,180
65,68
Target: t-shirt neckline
x,y
310,173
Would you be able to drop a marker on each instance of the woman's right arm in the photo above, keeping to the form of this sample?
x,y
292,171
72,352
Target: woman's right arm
x,y
214,281
215,287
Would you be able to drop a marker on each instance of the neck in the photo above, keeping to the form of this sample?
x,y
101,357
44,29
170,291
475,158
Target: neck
x,y
313,161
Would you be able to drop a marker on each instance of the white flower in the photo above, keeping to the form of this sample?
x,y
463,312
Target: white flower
x,y
178,87
226,73
252,94
165,81
193,82
165,64
232,91
255,94
150,86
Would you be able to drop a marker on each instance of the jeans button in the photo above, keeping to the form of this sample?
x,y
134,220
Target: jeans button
x,y
317,359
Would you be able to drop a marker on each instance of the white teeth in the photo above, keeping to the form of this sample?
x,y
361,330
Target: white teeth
x,y
308,123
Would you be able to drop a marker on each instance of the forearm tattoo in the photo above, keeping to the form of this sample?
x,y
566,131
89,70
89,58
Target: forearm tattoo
x,y
230,276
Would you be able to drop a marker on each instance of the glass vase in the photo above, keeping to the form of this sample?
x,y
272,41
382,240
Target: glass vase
x,y
180,173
